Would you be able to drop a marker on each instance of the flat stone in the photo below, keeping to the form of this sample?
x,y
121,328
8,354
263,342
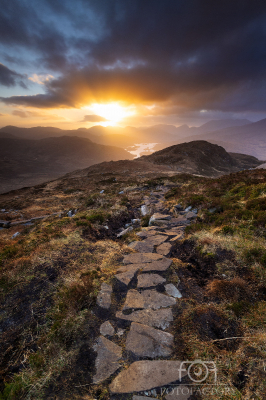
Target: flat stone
x,y
164,249
129,268
173,232
106,329
104,296
146,375
138,258
126,277
159,222
177,237
157,318
147,299
179,221
180,392
172,291
160,217
148,280
108,355
161,265
156,240
191,215
145,341
134,299
142,247
145,234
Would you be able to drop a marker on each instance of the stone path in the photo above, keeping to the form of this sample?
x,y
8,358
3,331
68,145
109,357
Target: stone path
x,y
147,305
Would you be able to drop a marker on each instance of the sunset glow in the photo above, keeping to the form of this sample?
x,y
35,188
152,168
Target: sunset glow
x,y
113,112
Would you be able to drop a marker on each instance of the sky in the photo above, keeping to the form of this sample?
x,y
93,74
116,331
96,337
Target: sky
x,y
80,63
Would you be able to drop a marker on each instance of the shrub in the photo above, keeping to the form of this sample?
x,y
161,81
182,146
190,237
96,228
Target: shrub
x,y
228,230
235,289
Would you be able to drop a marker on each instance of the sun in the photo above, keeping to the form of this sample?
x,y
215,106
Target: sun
x,y
113,112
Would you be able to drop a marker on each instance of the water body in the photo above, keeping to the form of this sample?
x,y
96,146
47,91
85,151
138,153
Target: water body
x,y
140,149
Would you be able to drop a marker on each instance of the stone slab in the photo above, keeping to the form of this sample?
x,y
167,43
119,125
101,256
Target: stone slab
x,y
172,291
157,318
156,240
104,296
164,249
142,247
126,277
145,341
159,266
149,280
191,215
146,375
159,216
145,234
137,258
108,355
147,299
106,329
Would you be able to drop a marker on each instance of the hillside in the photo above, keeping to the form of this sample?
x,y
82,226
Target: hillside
x,y
86,314
27,162
202,158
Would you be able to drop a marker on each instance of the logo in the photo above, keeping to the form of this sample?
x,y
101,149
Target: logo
x,y
199,371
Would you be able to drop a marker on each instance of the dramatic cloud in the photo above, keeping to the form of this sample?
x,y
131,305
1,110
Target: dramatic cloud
x,y
183,56
10,78
93,118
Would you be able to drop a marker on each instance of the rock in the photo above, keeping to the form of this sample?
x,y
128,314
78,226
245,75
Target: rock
x,y
102,191
172,291
142,247
180,392
104,296
138,258
179,221
70,213
127,225
15,235
145,234
159,222
191,215
178,207
108,355
159,216
145,341
124,232
164,249
134,299
129,268
149,280
173,232
135,221
122,192
188,208
161,265
157,318
120,332
146,375
177,237
147,299
106,329
126,277
144,210
156,240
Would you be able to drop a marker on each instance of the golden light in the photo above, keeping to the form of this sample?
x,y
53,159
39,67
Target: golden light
x,y
114,112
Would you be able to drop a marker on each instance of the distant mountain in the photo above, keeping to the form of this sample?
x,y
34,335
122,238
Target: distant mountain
x,y
202,158
28,162
220,124
5,135
248,139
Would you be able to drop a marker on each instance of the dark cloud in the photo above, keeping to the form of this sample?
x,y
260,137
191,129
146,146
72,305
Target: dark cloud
x,y
93,118
185,55
10,78
20,114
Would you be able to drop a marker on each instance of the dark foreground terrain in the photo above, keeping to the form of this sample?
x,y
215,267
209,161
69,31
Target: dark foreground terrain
x,y
53,270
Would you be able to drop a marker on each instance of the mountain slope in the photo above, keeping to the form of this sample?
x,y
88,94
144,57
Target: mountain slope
x,y
201,157
28,162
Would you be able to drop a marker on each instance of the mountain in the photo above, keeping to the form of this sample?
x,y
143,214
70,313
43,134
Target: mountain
x,y
5,135
214,125
202,158
248,139
28,162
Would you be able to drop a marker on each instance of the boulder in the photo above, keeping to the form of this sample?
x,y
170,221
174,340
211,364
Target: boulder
x,y
106,329
172,291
